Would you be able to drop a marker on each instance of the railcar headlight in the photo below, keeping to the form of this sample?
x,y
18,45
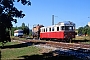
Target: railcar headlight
x,y
72,35
65,36
64,33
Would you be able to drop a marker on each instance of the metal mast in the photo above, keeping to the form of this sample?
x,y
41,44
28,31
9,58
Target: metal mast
x,y
52,19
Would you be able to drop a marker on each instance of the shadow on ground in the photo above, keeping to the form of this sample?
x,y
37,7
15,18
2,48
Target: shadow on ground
x,y
58,40
48,56
74,41
79,41
71,54
0,54
22,45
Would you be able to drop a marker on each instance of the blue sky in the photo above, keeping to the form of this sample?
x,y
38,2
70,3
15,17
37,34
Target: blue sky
x,y
41,11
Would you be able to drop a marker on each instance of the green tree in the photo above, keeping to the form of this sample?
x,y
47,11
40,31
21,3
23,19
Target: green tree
x,y
88,31
86,26
80,30
13,29
25,29
85,30
8,14
23,26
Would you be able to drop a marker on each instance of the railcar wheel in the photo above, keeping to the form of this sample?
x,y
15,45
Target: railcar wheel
x,y
69,40
46,39
40,38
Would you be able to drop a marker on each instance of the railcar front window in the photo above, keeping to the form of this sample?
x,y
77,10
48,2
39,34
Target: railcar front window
x,y
71,28
63,28
67,27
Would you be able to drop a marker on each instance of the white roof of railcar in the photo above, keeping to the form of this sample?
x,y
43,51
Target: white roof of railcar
x,y
65,23
50,26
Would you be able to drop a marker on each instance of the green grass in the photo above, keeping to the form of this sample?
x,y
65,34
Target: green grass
x,y
15,53
82,38
86,42
9,43
17,38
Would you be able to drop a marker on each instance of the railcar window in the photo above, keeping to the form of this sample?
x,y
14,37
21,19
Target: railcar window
x,y
49,29
57,28
46,29
67,27
52,28
42,30
70,28
63,28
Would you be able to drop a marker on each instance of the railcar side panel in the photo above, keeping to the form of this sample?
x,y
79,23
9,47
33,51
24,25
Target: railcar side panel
x,y
57,35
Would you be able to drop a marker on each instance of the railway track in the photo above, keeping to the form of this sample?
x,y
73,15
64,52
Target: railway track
x,y
81,51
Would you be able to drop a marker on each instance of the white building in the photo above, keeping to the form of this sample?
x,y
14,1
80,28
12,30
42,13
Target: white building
x,y
18,32
89,24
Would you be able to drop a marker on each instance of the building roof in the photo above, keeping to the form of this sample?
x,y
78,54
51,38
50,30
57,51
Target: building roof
x,y
18,30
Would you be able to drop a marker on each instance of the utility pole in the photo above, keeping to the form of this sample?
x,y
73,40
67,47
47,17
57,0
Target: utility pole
x,y
52,19
28,27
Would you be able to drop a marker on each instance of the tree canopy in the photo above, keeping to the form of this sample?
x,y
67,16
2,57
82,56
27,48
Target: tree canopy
x,y
84,30
8,14
25,29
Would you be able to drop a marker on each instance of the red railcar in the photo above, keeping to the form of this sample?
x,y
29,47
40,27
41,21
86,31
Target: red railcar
x,y
61,31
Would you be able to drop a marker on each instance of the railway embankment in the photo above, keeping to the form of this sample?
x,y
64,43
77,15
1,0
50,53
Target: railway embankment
x,y
77,50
